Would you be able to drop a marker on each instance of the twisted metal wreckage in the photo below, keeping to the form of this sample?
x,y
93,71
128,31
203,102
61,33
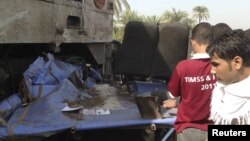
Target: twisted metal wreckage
x,y
53,90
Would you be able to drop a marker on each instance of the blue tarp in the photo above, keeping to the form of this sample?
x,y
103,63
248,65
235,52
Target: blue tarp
x,y
141,87
43,116
43,76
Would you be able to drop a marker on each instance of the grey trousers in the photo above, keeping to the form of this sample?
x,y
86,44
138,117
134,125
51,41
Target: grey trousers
x,y
192,134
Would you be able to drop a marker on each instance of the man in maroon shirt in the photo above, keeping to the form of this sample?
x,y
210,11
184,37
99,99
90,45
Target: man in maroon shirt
x,y
193,83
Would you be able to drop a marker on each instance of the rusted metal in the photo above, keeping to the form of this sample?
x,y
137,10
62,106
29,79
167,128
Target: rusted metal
x,y
99,3
60,21
148,106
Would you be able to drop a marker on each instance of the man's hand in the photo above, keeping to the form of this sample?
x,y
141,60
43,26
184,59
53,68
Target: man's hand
x,y
170,103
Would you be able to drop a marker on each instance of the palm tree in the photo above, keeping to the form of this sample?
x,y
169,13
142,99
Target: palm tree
x,y
174,16
190,22
127,16
118,7
201,12
119,25
151,19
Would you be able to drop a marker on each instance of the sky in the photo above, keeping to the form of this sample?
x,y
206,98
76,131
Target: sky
x,y
235,13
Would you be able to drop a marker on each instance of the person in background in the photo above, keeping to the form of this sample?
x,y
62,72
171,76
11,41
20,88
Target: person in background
x,y
247,33
230,58
219,29
192,81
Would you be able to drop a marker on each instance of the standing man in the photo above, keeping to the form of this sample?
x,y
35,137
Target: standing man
x,y
230,58
193,83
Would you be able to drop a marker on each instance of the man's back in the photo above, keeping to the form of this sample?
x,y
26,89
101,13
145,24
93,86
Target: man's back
x,y
192,81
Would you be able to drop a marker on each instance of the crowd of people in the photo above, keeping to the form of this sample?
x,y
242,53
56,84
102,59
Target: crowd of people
x,y
213,84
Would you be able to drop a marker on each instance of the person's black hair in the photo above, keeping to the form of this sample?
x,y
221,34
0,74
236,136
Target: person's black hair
x,y
230,45
219,29
247,33
202,33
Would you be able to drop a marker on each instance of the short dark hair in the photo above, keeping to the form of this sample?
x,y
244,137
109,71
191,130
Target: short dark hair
x,y
219,29
202,33
230,45
247,33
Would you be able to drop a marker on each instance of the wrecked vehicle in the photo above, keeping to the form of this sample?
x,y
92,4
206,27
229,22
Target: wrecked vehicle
x,y
58,70
68,28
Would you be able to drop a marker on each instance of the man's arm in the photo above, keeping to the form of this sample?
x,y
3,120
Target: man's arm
x,y
171,102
